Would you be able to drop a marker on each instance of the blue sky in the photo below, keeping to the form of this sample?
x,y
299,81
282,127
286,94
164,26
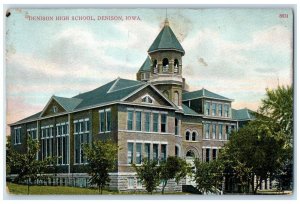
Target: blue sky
x,y
237,53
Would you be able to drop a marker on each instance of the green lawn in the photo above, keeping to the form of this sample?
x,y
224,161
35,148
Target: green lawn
x,y
63,190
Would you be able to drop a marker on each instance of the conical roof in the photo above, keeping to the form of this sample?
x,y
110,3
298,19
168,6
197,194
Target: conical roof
x,y
166,40
146,65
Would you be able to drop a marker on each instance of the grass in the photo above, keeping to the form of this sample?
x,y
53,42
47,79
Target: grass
x,y
18,189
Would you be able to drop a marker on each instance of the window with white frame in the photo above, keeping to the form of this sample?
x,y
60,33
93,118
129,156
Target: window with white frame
x,y
129,153
176,127
155,152
138,151
226,110
147,151
207,131
129,120
62,143
163,152
147,122
220,131
214,131
147,99
130,182
194,135
207,108
81,135
32,133
47,141
220,110
138,120
105,120
187,135
213,109
17,132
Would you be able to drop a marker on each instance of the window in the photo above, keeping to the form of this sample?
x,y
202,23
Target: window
x,y
176,127
176,66
226,110
163,123
147,99
105,120
194,134
220,109
129,120
207,132
163,152
129,153
108,120
62,143
226,131
138,117
220,131
207,108
147,122
187,135
214,131
207,155
138,155
54,109
176,151
17,135
165,65
213,109
32,133
139,184
176,98
155,68
130,183
214,154
47,141
81,138
155,122
147,151
102,121
155,152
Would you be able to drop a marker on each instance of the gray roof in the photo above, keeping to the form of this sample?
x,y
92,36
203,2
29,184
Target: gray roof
x,y
68,104
166,40
188,111
146,67
203,93
243,114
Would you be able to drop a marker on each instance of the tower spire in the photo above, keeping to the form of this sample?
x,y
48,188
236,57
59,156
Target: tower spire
x,y
166,20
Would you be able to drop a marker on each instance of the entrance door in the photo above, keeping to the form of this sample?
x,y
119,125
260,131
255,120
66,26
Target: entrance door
x,y
190,157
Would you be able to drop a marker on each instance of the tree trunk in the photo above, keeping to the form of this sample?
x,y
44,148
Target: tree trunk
x,y
256,188
163,188
101,190
28,186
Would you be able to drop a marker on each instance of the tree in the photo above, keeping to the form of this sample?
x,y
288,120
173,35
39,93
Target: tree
x,y
208,176
173,168
102,159
149,174
252,150
28,167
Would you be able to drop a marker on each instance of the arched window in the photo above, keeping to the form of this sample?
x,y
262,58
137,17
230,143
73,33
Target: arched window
x,y
190,153
176,98
165,65
194,135
187,135
166,93
176,66
147,99
155,68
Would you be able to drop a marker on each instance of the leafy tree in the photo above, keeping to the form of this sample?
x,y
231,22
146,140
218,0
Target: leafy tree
x,y
252,150
173,168
102,159
28,167
208,176
149,174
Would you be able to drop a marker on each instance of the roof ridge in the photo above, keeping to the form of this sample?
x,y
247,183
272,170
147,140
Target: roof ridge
x,y
111,89
112,86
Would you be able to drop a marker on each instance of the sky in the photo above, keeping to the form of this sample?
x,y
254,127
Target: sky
x,y
237,53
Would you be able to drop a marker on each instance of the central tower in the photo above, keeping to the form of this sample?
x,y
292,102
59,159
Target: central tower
x,y
163,66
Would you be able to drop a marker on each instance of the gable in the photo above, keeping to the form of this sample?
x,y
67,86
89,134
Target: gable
x,y
158,100
49,108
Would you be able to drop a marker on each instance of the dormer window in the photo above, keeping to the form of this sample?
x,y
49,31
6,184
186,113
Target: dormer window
x,y
54,109
147,99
